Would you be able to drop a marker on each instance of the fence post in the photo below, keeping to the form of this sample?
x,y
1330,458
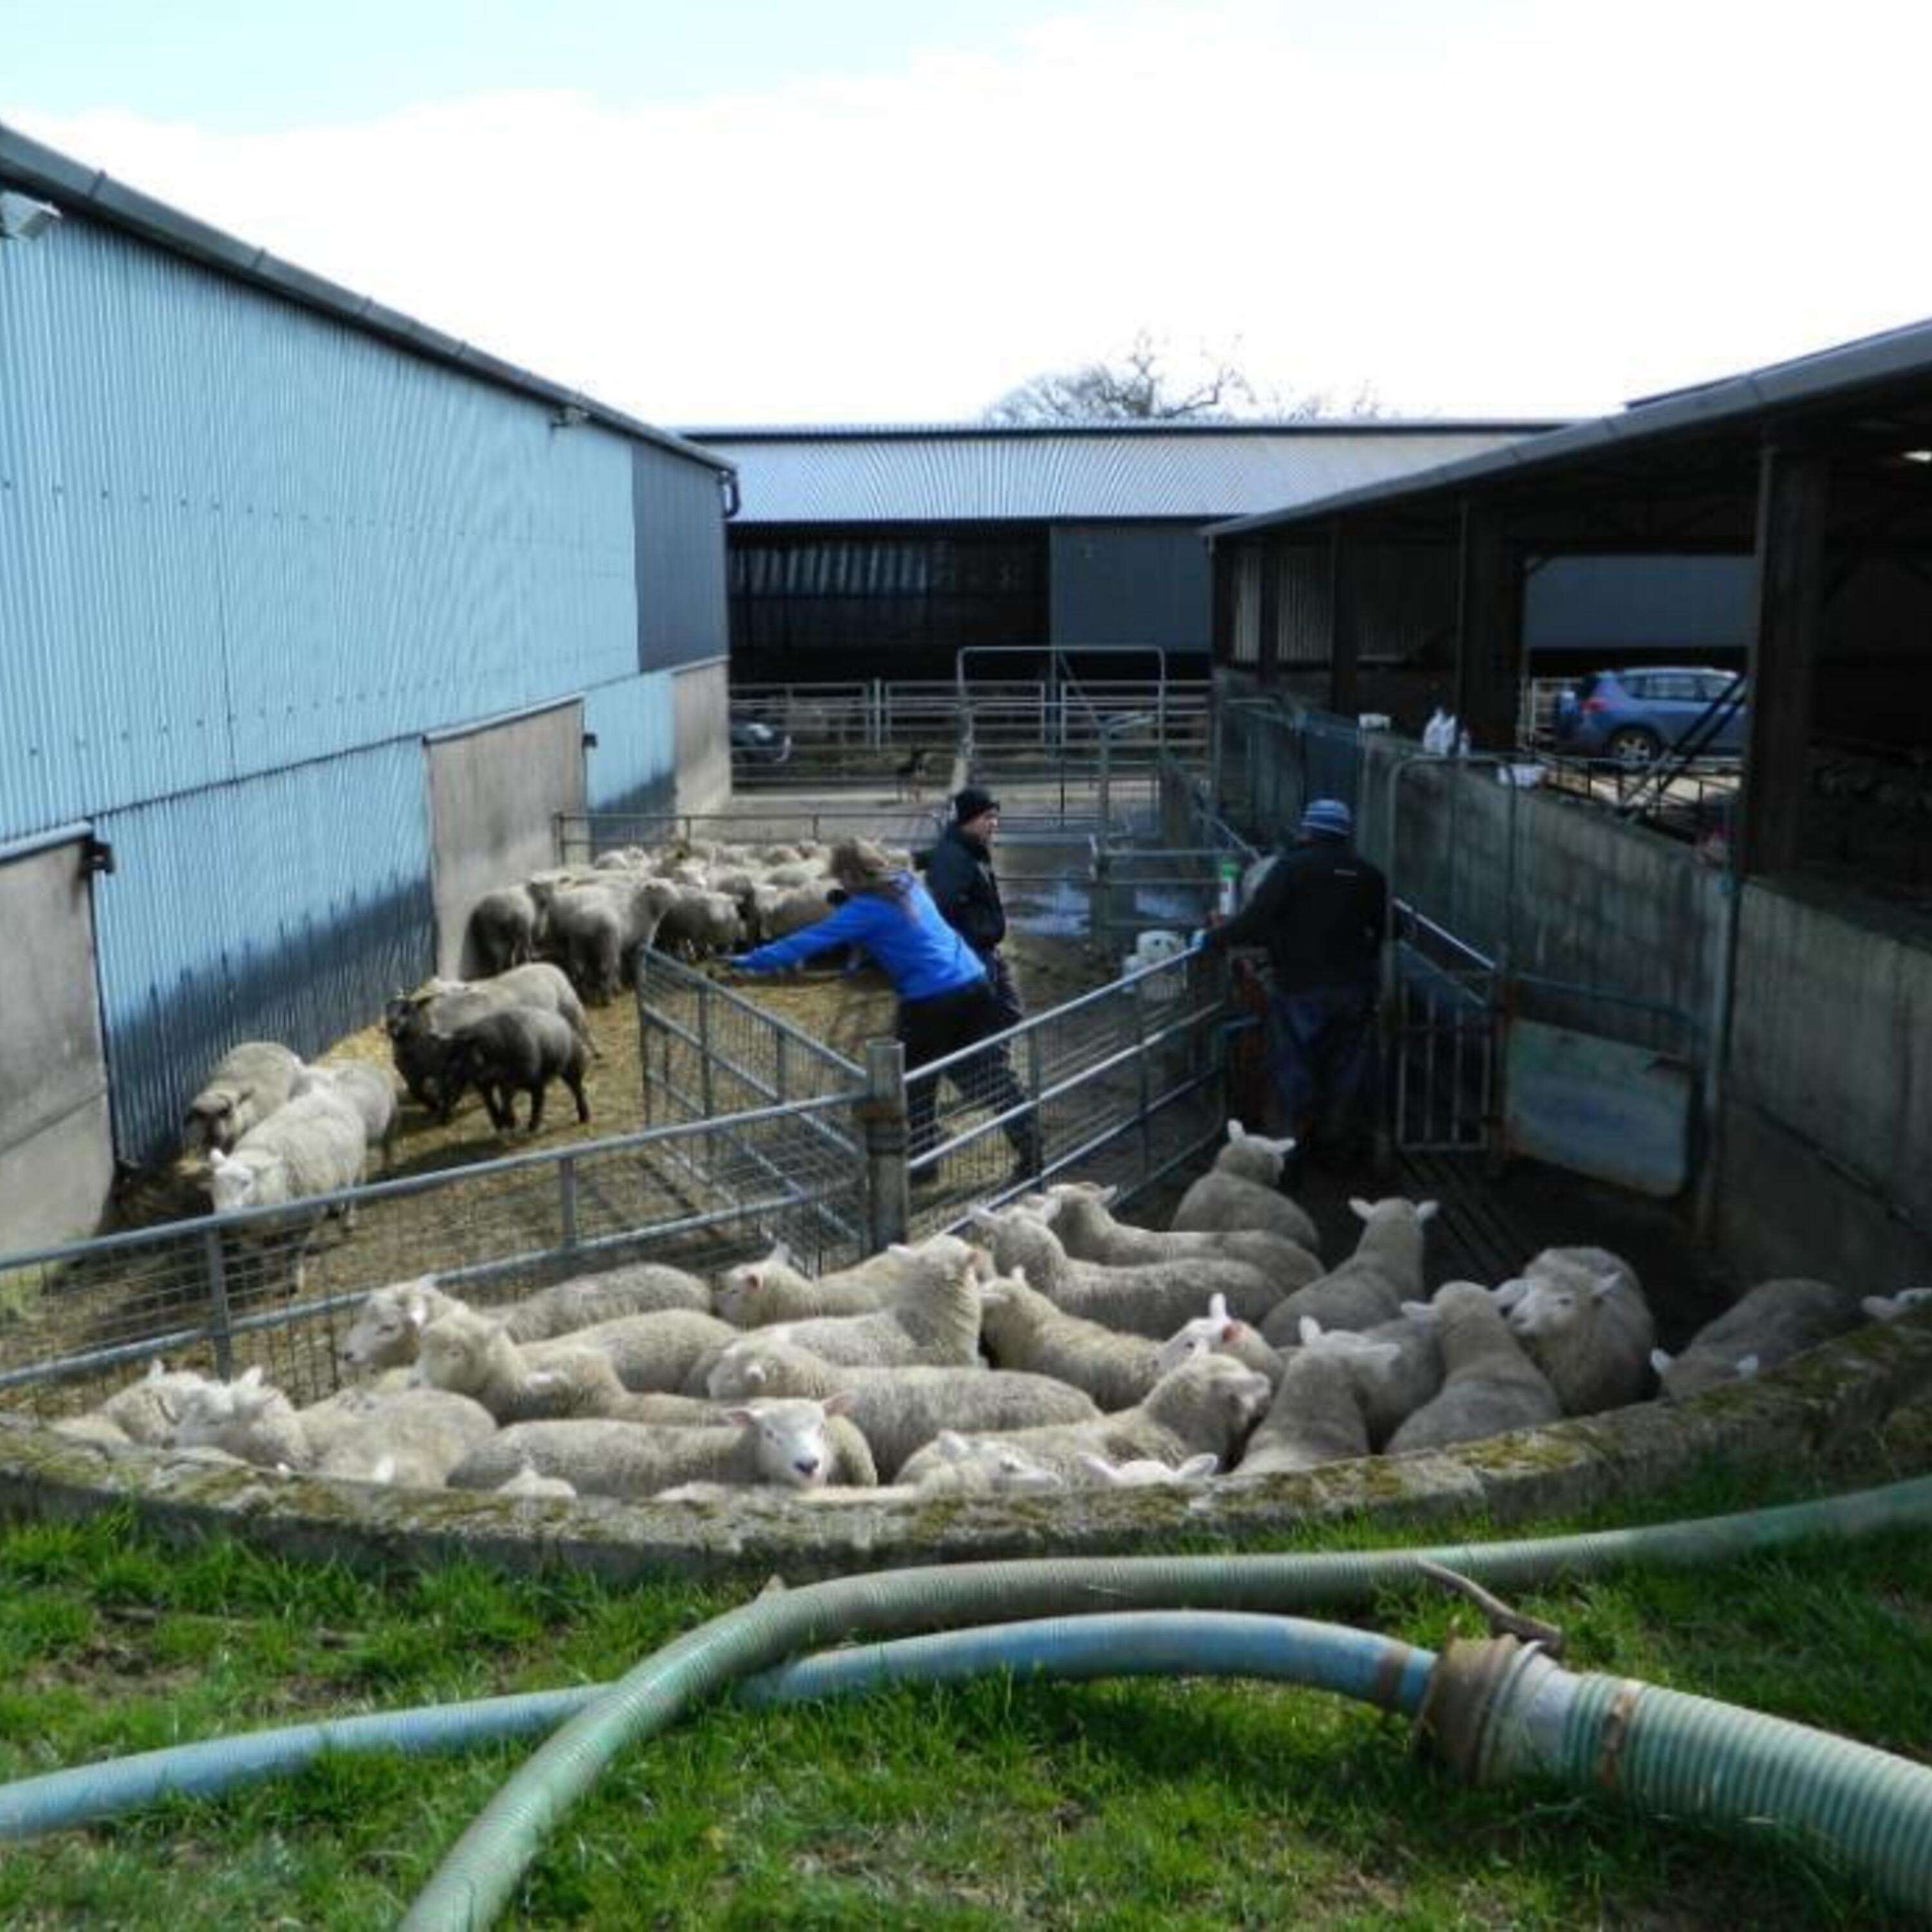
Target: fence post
x,y
1138,994
779,1068
704,1048
217,1303
883,1113
566,1183
1036,1082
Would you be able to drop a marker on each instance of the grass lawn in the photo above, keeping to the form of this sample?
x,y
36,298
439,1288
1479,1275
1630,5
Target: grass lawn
x,y
1157,1805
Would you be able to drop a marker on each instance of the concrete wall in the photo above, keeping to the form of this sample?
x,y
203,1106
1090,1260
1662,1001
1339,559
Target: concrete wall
x,y
1827,1162
702,704
56,1162
494,796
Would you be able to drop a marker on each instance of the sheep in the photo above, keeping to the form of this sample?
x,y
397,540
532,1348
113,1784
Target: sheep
x,y
1147,1474
1077,1212
666,1353
312,1145
1391,1387
149,1411
412,1437
249,1082
1582,1315
502,1055
775,912
598,928
934,1319
421,1026
1239,1191
1489,1386
369,1091
466,1352
787,1443
1204,1407
1895,1307
1317,1415
754,1294
1772,1322
964,1466
900,1410
702,922
1220,1333
503,928
389,1326
1152,1300
1371,1284
1023,1330
527,1483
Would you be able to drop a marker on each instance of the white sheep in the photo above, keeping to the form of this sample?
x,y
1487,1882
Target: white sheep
x,y
527,1483
635,1287
1023,1331
900,1410
1077,1213
1769,1324
786,1442
1391,1386
1896,1307
754,1294
668,1352
412,1437
934,1319
1489,1386
1153,1299
369,1090
1204,1407
149,1411
1221,1334
1581,1314
1146,1474
249,1082
597,929
1317,1415
1370,1286
467,1352
1240,1191
312,1145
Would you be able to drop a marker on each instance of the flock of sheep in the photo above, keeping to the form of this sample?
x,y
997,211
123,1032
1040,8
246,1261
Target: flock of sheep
x,y
1060,1347
275,1131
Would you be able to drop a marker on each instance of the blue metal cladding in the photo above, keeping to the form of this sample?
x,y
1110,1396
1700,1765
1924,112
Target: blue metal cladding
x,y
284,907
1131,584
633,767
679,560
235,536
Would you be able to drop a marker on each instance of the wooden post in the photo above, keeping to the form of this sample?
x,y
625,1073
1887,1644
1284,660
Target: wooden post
x,y
1488,631
1793,489
888,1192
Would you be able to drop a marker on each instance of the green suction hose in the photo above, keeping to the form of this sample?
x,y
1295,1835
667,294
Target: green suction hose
x,y
469,1888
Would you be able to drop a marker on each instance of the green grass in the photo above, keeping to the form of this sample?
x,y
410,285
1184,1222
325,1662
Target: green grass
x,y
1136,1805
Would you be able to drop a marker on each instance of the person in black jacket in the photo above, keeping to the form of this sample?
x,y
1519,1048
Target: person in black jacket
x,y
1322,910
959,876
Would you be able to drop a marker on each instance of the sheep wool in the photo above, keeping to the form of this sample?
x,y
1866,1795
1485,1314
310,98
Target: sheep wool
x,y
1489,1386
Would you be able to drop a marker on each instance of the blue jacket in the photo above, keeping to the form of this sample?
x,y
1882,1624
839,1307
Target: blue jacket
x,y
912,946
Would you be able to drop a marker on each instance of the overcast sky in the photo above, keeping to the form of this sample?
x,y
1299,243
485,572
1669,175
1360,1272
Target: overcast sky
x,y
862,211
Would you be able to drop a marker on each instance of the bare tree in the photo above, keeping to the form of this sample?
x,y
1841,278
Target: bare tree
x,y
1142,386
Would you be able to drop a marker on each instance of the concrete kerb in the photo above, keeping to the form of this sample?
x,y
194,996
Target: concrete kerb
x,y
1831,1401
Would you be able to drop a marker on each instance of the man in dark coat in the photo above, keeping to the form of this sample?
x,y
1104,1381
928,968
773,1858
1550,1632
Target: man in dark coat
x,y
959,876
1322,910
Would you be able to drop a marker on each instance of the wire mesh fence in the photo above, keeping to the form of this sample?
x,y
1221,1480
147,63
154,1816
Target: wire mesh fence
x,y
1120,1085
278,1287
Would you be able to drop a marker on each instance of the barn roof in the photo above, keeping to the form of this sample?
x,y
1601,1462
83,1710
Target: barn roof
x,y
978,473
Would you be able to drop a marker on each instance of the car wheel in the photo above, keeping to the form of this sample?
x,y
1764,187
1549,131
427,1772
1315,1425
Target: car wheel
x,y
1633,746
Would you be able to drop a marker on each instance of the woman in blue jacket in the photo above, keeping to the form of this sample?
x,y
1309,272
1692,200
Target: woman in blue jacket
x,y
945,999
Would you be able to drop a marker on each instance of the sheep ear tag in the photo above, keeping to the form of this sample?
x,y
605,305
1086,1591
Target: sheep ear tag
x,y
1659,1360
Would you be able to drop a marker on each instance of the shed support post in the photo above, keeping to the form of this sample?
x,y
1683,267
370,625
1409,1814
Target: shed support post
x,y
1344,640
1793,486
1489,631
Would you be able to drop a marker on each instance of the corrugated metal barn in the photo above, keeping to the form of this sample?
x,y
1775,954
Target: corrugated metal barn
x,y
871,552
311,620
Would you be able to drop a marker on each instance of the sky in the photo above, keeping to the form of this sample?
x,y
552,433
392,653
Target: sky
x,y
865,211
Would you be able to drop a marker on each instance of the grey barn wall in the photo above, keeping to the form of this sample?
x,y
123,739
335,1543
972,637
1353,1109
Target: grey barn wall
x,y
1138,584
495,793
56,1163
678,537
703,703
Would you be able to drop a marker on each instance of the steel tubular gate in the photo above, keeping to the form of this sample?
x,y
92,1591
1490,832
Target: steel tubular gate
x,y
1123,1084
223,1293
582,837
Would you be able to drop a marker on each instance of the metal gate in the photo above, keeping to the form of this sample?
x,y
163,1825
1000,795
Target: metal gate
x,y
1440,1037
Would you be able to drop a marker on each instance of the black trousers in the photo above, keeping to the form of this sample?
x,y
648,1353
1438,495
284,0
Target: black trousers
x,y
931,1029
